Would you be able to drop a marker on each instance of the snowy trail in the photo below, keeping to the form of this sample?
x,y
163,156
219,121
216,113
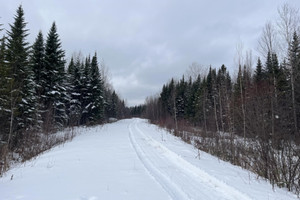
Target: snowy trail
x,y
132,159
173,190
162,160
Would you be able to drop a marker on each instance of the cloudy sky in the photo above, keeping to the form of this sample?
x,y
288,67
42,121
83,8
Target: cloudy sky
x,y
145,43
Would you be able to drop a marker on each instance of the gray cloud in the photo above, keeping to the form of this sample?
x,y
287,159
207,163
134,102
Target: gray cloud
x,y
146,43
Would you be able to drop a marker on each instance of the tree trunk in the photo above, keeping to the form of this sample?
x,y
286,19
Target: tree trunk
x,y
293,101
216,118
175,113
221,111
204,113
243,110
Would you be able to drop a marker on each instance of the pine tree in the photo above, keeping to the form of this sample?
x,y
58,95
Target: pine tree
x,y
223,89
212,99
258,74
4,94
97,107
37,62
294,64
75,91
191,105
55,92
181,98
86,92
71,67
194,105
114,105
22,96
202,104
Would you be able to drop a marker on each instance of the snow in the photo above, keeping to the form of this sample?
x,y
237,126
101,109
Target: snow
x,y
53,92
131,159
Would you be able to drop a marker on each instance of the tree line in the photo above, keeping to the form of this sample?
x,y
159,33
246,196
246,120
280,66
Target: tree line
x,y
253,119
41,93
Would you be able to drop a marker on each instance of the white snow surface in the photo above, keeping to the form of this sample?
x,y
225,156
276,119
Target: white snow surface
x,y
132,159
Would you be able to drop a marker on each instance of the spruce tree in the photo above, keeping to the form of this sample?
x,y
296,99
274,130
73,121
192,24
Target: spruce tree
x,y
22,97
75,91
86,92
191,105
97,107
37,62
294,64
114,105
4,94
181,98
258,74
55,92
223,90
71,67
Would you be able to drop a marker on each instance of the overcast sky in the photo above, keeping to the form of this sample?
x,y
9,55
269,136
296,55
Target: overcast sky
x,y
145,43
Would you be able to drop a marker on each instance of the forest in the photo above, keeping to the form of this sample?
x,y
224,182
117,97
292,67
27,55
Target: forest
x,y
41,93
251,119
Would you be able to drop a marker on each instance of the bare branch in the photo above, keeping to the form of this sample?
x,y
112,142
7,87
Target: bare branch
x,y
239,58
287,23
268,40
196,69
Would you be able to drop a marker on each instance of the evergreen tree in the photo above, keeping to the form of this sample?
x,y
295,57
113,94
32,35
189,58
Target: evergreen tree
x,y
55,92
181,98
86,91
239,103
192,98
238,86
75,90
212,99
71,67
37,61
275,64
37,64
201,100
22,98
114,105
97,107
4,94
223,90
258,74
294,64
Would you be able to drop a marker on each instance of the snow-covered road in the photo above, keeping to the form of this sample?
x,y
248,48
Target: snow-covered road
x,y
132,159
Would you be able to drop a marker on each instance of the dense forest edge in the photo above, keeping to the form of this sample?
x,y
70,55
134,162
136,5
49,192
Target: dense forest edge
x,y
252,119
41,93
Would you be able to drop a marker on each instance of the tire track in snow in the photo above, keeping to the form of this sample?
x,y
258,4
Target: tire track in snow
x,y
172,189
195,174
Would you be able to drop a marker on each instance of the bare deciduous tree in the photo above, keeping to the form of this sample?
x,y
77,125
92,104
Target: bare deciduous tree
x,y
105,75
196,69
287,23
268,40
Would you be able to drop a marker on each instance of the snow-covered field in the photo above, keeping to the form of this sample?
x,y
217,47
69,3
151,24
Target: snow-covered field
x,y
131,159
